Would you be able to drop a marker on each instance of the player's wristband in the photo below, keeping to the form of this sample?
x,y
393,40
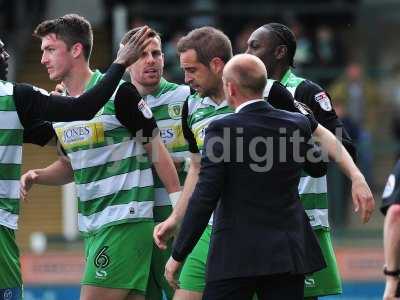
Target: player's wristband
x,y
394,273
174,197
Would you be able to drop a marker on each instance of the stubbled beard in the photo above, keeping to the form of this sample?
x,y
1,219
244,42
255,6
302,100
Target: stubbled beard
x,y
209,92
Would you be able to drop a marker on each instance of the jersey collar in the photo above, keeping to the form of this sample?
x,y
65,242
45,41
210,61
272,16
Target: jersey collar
x,y
209,101
286,77
163,83
93,80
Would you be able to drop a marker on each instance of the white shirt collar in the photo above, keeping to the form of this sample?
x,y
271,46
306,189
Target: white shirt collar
x,y
209,101
247,103
268,86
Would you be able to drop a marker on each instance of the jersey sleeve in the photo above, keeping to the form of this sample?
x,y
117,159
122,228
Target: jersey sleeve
x,y
280,98
36,131
187,132
391,192
319,101
314,164
36,103
140,123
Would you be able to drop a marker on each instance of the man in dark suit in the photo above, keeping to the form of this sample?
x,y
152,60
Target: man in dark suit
x,y
262,241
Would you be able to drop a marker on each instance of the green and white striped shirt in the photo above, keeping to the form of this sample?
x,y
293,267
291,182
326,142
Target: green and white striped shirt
x,y
111,169
11,139
201,112
313,191
166,104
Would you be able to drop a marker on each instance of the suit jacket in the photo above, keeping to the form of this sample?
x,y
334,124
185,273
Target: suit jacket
x,y
260,227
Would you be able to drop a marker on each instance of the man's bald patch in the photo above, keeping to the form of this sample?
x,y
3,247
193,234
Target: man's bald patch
x,y
248,72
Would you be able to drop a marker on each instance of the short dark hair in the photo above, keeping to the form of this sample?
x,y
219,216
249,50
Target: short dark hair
x,y
208,42
127,36
71,28
284,36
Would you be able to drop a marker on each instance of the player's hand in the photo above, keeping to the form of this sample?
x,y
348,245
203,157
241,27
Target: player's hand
x,y
59,89
171,270
363,200
133,49
27,180
164,231
391,288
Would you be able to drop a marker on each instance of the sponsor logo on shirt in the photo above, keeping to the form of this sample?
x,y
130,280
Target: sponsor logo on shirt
x,y
323,100
81,135
167,135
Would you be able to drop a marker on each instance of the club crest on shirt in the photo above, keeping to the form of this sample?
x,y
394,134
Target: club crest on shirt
x,y
175,110
323,100
389,187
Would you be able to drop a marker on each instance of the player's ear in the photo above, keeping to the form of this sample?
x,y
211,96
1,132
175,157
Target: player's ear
x,y
280,52
217,65
76,50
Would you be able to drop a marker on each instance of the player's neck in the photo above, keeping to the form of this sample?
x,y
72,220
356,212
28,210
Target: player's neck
x,y
145,90
77,79
218,96
278,72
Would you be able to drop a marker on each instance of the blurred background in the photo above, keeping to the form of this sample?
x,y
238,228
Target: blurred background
x,y
350,47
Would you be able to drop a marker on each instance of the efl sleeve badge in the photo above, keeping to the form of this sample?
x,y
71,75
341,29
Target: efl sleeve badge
x,y
324,101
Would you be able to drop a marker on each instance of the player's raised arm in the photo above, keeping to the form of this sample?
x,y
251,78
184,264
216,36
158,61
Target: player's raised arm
x,y
38,103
